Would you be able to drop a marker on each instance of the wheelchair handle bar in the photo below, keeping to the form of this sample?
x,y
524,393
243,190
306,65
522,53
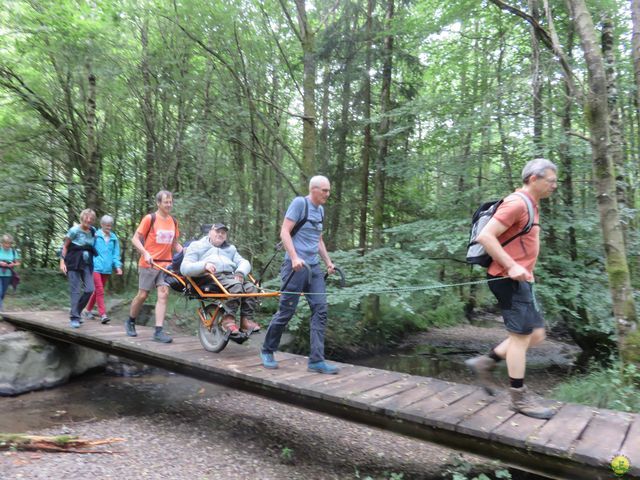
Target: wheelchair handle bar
x,y
341,273
293,272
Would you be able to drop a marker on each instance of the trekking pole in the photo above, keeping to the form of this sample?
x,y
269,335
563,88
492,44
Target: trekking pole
x,y
264,270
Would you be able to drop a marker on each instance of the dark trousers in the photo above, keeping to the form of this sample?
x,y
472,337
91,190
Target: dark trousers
x,y
5,282
233,285
80,296
288,302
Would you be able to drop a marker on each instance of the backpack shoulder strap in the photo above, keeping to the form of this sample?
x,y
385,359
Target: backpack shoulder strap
x,y
153,220
530,223
303,220
529,205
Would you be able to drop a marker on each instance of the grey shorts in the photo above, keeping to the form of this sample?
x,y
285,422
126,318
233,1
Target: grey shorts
x,y
150,278
518,304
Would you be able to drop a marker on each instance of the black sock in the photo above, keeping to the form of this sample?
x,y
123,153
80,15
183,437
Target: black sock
x,y
494,355
158,329
132,320
516,382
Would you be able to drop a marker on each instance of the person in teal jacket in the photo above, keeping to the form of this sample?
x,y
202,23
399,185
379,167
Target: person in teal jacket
x,y
9,259
108,260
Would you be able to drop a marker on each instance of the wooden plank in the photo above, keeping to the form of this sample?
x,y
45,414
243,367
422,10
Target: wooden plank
x,y
405,383
185,347
421,411
356,386
631,446
449,416
603,437
484,421
516,430
558,435
392,404
314,378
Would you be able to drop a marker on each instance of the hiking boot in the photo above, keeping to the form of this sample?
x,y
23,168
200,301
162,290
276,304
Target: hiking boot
x,y
268,361
160,336
322,367
75,323
228,324
104,319
522,401
482,368
249,326
130,328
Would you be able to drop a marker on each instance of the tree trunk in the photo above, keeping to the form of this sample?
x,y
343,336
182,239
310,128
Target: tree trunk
x,y
616,140
597,117
383,143
635,42
366,142
91,172
307,36
566,159
148,116
323,141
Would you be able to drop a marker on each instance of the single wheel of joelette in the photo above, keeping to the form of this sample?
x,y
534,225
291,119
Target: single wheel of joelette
x,y
213,339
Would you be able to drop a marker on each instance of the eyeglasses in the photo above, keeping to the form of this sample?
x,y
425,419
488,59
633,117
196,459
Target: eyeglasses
x,y
323,190
550,180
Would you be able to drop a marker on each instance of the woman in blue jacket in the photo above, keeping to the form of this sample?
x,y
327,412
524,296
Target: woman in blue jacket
x,y
108,260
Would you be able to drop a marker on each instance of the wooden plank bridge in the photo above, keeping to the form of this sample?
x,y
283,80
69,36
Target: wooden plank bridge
x,y
577,443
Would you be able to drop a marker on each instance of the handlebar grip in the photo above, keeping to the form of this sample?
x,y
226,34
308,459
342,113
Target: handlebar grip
x,y
342,282
293,272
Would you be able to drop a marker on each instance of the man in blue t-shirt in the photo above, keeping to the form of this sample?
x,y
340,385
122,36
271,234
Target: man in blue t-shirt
x,y
305,247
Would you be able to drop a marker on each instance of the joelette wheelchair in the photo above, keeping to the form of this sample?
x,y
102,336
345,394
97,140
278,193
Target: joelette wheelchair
x,y
210,293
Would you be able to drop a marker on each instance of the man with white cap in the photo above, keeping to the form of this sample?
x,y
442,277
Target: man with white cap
x,y
213,254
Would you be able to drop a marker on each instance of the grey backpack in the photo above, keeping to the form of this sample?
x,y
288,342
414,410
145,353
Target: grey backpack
x,y
476,254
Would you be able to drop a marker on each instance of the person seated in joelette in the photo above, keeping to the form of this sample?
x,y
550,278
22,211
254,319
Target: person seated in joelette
x,y
213,254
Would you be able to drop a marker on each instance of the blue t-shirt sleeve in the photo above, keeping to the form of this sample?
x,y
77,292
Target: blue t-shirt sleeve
x,y
296,209
72,234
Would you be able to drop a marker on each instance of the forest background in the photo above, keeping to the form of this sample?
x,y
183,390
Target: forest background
x,y
417,110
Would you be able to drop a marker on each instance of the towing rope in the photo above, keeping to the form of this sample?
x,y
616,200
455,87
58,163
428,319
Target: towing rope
x,y
395,290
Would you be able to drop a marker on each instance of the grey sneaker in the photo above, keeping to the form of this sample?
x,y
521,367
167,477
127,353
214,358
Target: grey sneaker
x,y
162,337
104,319
522,401
86,315
482,368
130,328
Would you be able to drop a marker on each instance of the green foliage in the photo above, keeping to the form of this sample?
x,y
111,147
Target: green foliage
x,y
204,99
460,469
630,349
39,289
286,455
616,387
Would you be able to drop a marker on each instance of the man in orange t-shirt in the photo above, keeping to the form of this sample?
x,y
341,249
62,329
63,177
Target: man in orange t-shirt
x,y
516,261
156,239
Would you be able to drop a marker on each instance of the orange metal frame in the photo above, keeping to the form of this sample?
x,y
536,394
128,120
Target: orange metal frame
x,y
224,295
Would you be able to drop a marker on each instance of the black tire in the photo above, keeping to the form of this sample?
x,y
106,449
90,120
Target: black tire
x,y
214,339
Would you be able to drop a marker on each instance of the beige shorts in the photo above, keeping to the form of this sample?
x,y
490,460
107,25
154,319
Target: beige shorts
x,y
150,278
